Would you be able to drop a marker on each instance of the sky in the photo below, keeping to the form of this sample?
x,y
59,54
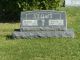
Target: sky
x,y
72,2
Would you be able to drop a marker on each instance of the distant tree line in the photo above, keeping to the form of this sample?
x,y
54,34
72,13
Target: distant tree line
x,y
10,9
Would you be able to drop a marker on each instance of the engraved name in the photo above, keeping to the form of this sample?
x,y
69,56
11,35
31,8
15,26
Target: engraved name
x,y
42,16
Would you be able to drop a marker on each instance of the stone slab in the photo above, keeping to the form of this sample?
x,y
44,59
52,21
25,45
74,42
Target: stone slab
x,y
43,20
39,34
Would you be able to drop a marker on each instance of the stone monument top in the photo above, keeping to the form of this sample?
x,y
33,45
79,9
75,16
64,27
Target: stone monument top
x,y
43,20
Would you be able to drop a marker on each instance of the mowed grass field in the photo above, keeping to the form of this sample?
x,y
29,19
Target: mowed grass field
x,y
41,48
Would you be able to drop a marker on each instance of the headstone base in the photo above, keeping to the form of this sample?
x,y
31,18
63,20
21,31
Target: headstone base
x,y
39,34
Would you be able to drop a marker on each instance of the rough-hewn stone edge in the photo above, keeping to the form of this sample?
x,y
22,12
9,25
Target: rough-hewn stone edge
x,y
38,34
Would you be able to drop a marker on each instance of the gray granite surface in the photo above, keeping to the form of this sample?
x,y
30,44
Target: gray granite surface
x,y
39,34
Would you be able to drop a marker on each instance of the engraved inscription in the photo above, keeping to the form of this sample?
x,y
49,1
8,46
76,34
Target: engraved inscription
x,y
30,23
56,22
38,15
42,16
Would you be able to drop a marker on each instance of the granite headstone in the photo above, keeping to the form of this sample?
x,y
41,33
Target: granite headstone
x,y
43,23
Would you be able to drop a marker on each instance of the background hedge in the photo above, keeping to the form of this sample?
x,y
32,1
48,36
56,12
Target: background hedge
x,y
10,9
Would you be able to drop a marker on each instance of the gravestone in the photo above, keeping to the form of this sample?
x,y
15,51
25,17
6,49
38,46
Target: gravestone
x,y
43,23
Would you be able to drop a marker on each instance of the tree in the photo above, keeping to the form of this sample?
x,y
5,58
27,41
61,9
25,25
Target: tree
x,y
10,9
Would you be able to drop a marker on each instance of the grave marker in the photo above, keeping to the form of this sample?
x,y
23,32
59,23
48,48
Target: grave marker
x,y
37,20
43,23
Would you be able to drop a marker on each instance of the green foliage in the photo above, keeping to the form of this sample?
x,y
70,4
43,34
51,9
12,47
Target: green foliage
x,y
10,9
39,4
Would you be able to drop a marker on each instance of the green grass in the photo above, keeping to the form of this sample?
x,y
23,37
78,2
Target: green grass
x,y
41,48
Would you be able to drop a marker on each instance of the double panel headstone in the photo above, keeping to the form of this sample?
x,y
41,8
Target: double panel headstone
x,y
43,23
43,20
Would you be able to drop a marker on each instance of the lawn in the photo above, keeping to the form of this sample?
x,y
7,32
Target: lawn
x,y
41,48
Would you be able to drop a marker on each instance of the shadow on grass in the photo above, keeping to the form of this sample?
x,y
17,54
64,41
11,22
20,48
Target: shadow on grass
x,y
9,37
